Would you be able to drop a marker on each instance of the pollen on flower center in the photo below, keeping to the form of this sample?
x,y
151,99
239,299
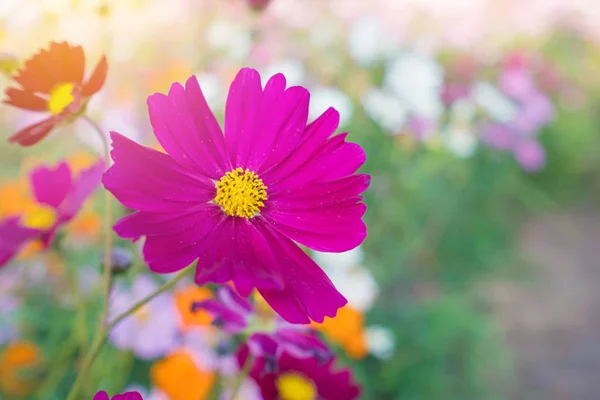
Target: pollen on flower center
x,y
293,386
60,97
39,217
241,193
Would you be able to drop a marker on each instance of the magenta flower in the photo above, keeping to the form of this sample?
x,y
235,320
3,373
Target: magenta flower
x,y
12,238
152,331
58,196
63,195
306,378
236,202
102,395
269,339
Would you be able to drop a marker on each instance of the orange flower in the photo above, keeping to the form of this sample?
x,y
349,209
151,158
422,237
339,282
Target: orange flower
x,y
86,225
184,300
346,330
52,81
14,198
16,359
180,378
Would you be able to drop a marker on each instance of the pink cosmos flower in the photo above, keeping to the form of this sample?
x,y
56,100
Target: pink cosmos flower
x,y
12,237
102,395
303,378
234,314
236,202
58,196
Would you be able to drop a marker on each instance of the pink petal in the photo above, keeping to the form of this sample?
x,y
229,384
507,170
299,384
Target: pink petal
x,y
336,159
51,186
237,251
308,293
13,237
271,130
101,395
188,130
321,215
315,136
171,252
334,229
83,187
147,180
287,124
241,110
34,133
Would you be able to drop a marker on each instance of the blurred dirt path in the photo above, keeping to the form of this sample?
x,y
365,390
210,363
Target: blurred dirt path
x,y
553,322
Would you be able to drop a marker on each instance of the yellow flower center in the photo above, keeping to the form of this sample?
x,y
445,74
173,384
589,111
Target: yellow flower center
x,y
39,217
292,386
241,193
60,97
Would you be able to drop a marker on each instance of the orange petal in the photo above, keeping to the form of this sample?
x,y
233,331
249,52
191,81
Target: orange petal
x,y
180,378
60,63
184,300
25,100
97,79
36,132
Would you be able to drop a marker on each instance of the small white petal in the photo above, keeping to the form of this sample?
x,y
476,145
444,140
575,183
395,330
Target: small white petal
x,y
381,341
493,102
321,98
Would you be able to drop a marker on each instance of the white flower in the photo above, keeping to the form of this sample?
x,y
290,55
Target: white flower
x,y
493,102
380,341
357,285
417,80
342,261
460,140
293,71
234,39
458,136
323,97
367,41
212,88
386,109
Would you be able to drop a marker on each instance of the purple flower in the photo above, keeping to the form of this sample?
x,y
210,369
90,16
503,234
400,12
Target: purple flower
x,y
13,237
9,304
236,202
303,378
530,155
150,332
268,339
102,395
517,82
62,193
536,111
58,199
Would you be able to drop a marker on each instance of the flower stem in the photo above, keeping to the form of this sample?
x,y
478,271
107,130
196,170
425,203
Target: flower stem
x,y
242,376
102,334
107,276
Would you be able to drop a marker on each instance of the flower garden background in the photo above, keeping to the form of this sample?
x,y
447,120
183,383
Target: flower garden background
x,y
237,244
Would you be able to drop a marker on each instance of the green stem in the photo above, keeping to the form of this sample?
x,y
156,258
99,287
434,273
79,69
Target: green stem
x,y
243,374
102,334
107,276
214,390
